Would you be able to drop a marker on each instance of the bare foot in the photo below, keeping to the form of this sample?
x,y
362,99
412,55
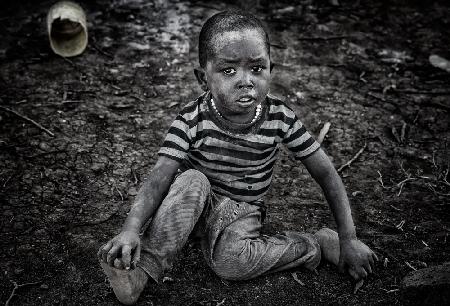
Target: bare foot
x,y
329,244
126,284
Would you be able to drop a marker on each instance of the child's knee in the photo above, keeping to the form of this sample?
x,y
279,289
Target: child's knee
x,y
229,267
231,261
194,178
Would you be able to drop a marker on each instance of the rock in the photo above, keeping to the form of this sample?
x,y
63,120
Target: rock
x,y
439,62
429,286
97,167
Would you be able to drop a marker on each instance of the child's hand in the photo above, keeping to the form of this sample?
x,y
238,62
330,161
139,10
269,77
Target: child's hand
x,y
122,246
357,258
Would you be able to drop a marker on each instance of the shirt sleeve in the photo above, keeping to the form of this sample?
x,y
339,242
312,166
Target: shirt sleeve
x,y
178,140
299,141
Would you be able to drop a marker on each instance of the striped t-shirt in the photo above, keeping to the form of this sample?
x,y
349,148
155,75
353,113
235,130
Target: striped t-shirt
x,y
238,159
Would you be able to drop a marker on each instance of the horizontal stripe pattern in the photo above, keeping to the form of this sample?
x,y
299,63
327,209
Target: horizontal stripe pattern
x,y
239,166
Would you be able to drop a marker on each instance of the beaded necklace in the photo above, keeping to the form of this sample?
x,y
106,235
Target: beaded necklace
x,y
258,111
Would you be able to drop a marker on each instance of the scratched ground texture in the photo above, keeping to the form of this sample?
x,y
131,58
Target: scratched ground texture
x,y
362,66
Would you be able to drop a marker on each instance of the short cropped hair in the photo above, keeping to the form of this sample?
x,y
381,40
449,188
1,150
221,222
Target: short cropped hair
x,y
225,22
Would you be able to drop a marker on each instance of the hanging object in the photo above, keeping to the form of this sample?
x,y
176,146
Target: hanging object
x,y
67,30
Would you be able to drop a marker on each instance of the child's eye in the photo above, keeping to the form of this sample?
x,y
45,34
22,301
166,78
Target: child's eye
x,y
228,71
257,68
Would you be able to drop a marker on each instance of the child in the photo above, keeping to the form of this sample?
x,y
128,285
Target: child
x,y
214,167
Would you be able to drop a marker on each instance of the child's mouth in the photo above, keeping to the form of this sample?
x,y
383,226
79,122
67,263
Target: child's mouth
x,y
245,101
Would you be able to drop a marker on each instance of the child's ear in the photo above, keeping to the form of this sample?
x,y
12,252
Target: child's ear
x,y
201,78
271,66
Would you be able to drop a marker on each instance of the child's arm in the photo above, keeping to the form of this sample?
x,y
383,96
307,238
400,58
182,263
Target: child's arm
x,y
147,201
354,255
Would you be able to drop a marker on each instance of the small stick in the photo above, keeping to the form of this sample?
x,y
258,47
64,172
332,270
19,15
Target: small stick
x,y
294,275
137,98
120,193
28,120
16,287
347,164
358,286
323,37
395,134
396,208
7,180
380,179
402,133
102,52
70,62
402,183
96,222
371,94
400,225
423,92
323,132
409,265
391,291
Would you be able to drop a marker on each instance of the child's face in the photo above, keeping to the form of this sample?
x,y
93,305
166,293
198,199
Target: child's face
x,y
238,73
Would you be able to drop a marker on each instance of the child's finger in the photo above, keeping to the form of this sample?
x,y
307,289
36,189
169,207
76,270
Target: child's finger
x,y
104,250
367,267
100,251
353,274
375,256
112,254
341,266
126,256
362,272
136,256
358,285
118,264
372,262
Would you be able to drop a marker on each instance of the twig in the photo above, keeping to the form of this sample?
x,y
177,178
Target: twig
x,y
380,179
96,222
7,180
391,291
208,6
347,164
423,92
402,183
438,105
358,286
28,120
323,37
396,208
120,193
45,153
221,302
278,46
409,265
402,133
400,225
395,134
323,132
137,98
373,95
294,275
94,45
70,62
17,287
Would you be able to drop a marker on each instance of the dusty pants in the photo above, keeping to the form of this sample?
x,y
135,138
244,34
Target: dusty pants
x,y
231,240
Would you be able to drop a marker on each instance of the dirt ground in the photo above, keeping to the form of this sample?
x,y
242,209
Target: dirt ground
x,y
362,66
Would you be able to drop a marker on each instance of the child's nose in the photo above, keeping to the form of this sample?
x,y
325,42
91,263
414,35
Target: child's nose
x,y
245,80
